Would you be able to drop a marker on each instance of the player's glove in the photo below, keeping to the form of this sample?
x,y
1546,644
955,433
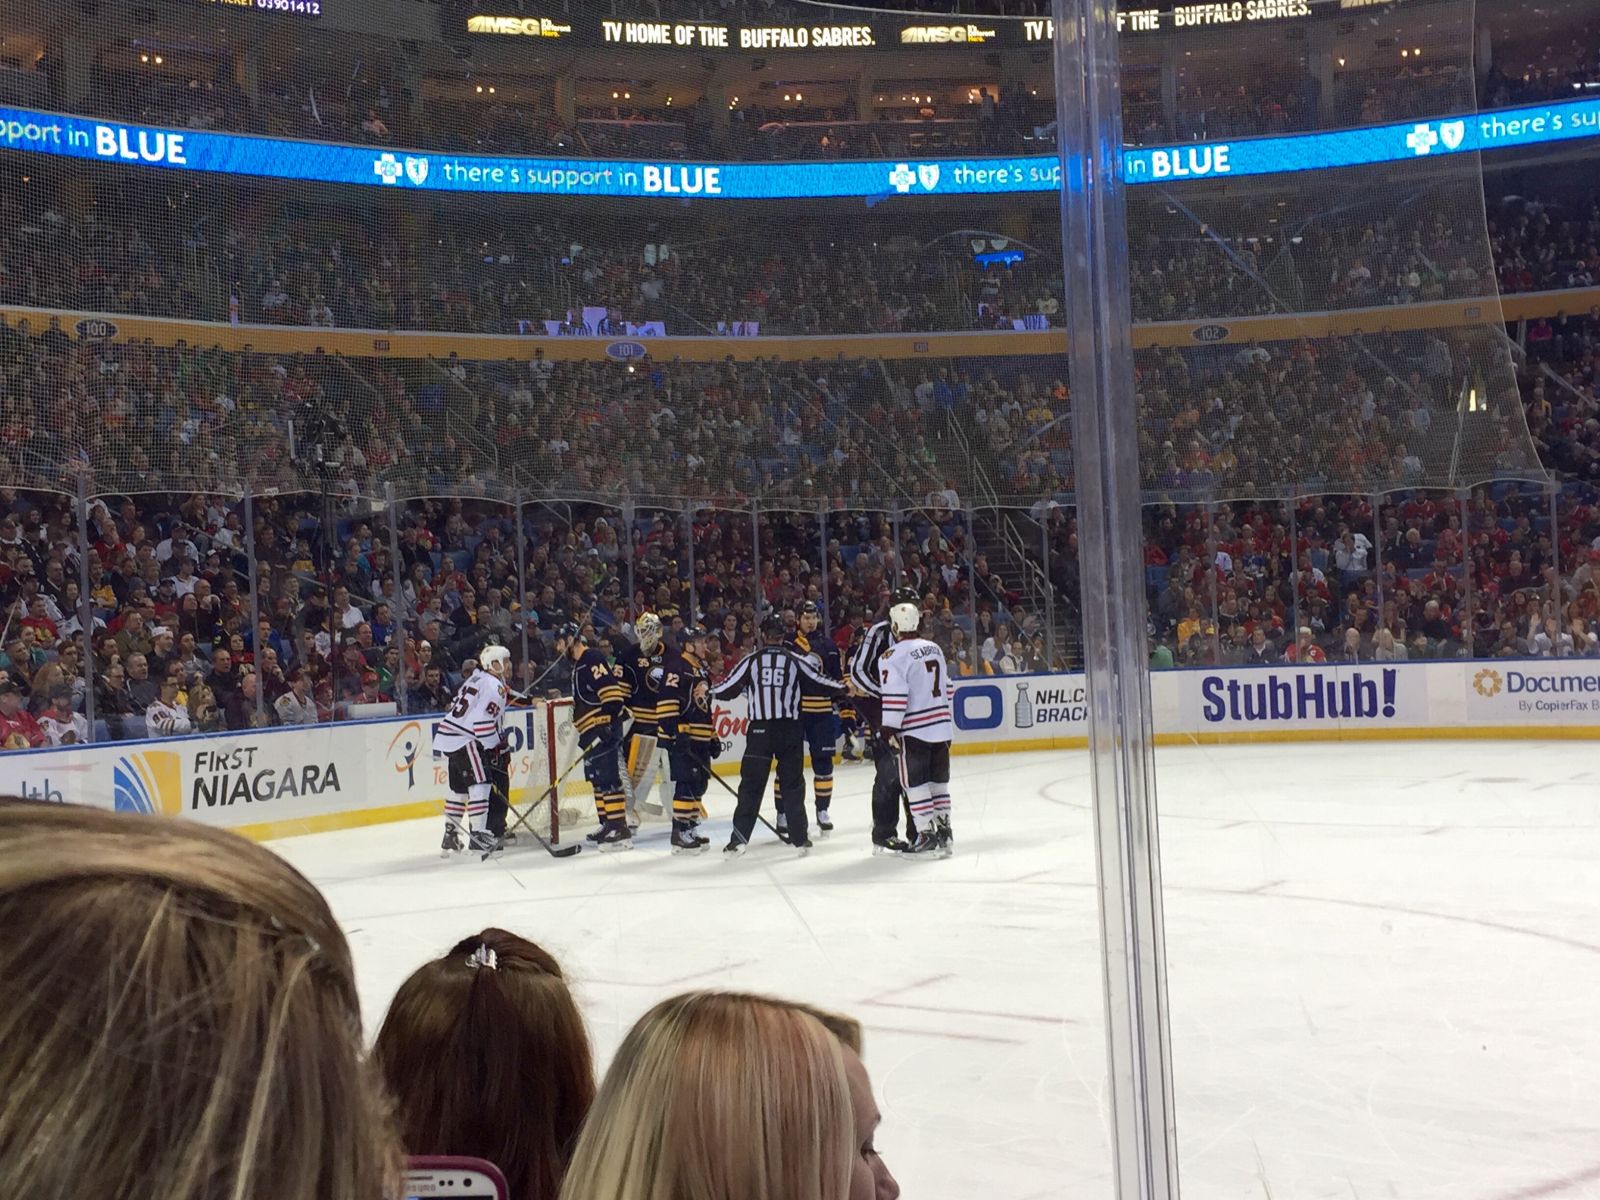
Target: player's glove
x,y
714,748
893,741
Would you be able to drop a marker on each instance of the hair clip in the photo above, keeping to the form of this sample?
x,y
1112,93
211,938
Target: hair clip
x,y
484,957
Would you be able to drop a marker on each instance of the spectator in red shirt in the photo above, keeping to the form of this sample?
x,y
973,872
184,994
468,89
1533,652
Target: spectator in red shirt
x,y
18,729
1305,650
38,620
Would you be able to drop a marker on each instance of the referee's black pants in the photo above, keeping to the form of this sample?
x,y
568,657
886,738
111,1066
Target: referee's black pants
x,y
888,797
784,740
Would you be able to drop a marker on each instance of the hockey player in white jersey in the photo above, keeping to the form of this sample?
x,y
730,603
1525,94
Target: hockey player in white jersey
x,y
467,735
916,711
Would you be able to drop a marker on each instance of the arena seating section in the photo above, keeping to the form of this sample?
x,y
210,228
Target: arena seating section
x,y
782,458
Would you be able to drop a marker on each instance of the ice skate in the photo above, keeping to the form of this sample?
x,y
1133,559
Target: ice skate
x,y
615,837
942,834
803,848
890,846
483,842
926,845
686,840
452,843
824,822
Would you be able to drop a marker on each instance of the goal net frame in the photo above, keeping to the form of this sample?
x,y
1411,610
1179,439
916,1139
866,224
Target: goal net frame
x,y
548,790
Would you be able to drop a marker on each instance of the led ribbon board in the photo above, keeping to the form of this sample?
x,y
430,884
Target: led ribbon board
x,y
319,162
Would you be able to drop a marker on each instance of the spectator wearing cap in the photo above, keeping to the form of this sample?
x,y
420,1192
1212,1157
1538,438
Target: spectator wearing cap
x,y
371,691
184,581
176,545
62,726
163,651
296,706
18,729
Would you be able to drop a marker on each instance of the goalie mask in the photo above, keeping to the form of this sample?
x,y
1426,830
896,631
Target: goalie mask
x,y
648,627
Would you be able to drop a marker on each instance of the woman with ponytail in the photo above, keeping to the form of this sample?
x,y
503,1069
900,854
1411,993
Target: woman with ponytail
x,y
486,1055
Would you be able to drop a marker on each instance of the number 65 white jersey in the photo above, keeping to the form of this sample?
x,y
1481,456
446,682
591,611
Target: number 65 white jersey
x,y
916,690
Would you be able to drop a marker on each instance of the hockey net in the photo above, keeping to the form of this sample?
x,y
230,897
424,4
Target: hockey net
x,y
548,792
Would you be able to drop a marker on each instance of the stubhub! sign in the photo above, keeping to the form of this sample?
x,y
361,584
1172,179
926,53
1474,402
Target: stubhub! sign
x,y
1308,697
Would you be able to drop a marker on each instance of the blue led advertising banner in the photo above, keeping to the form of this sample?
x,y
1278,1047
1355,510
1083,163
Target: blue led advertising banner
x,y
237,154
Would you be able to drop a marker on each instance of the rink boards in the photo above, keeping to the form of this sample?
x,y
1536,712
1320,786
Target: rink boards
x,y
276,782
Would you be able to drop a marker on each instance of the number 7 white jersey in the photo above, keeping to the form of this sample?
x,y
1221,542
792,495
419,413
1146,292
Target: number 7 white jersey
x,y
916,690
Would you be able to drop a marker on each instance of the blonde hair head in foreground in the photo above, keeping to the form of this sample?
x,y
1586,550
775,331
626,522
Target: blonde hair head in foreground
x,y
719,1096
178,1020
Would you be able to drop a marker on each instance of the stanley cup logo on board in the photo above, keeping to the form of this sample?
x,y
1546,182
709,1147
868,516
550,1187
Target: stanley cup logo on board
x,y
1024,707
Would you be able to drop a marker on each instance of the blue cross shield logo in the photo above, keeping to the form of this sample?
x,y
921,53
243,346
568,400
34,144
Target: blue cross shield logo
x,y
1422,139
388,169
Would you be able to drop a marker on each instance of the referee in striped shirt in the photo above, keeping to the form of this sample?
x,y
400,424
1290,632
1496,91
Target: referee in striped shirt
x,y
771,677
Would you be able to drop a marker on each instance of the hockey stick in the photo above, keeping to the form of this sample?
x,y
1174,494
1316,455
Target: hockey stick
x,y
727,787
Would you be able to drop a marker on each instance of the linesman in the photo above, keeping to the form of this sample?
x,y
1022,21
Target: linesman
x,y
771,677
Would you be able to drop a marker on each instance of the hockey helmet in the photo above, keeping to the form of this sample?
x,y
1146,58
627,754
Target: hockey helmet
x,y
496,660
773,628
905,611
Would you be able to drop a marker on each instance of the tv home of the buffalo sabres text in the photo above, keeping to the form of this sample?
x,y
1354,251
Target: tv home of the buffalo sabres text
x,y
1185,16
703,36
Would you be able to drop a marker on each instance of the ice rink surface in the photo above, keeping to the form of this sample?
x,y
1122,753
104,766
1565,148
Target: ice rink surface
x,y
1384,963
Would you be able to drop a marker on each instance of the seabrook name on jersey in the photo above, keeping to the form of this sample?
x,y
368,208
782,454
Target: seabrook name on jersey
x,y
916,691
